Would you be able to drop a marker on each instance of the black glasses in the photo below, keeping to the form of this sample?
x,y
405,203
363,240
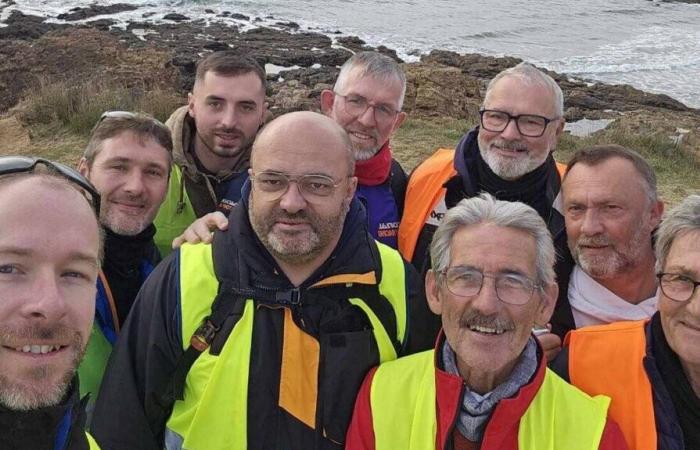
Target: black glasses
x,y
356,105
19,164
676,286
511,288
275,184
530,125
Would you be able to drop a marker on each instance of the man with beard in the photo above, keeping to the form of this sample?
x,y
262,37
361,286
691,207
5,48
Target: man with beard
x,y
261,339
611,208
486,385
509,155
212,136
128,160
50,249
366,101
651,368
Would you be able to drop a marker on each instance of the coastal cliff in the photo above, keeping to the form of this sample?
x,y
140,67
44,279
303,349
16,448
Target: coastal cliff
x,y
442,86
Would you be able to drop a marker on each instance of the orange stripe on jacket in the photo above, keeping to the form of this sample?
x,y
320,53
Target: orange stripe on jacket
x,y
299,372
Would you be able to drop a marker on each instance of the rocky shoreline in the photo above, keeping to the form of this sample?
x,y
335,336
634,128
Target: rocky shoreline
x,y
300,64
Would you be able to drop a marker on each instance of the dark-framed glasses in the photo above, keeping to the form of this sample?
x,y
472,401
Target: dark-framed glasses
x,y
530,125
511,288
356,105
20,164
676,286
311,186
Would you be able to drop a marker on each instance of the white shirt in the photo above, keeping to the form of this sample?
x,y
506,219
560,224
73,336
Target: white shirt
x,y
593,304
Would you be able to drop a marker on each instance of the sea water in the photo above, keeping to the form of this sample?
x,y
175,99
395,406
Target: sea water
x,y
652,45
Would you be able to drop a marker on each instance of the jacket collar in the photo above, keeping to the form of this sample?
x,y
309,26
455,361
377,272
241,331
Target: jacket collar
x,y
506,415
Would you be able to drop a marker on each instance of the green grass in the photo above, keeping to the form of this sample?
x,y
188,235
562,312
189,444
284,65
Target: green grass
x,y
79,107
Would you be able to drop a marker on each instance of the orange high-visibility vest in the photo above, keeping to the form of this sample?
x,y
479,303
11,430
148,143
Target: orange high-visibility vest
x,y
608,359
424,191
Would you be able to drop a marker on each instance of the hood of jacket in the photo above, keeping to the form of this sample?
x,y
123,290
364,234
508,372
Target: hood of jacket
x,y
183,131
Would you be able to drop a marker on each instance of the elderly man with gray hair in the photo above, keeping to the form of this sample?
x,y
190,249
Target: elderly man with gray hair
x,y
486,384
651,368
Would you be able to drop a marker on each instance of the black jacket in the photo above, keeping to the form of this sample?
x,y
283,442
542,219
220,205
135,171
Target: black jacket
x,y
150,344
42,429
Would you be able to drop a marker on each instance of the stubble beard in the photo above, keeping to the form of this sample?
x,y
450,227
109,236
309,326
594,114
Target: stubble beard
x,y
298,248
621,261
509,168
28,394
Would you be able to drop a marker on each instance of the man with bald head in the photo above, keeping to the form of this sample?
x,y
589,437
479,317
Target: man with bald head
x,y
47,301
261,339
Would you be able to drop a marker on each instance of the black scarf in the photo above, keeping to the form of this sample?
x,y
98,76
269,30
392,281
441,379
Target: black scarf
x,y
685,401
124,256
528,189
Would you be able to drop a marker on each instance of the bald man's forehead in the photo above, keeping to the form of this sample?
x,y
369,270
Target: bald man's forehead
x,y
314,132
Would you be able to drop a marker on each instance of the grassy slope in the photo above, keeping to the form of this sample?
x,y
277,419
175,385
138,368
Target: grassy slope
x,y
61,117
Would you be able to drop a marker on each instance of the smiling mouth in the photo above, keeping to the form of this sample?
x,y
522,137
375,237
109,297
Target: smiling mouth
x,y
37,349
361,136
491,331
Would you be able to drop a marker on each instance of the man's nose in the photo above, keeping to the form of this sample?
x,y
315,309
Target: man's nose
x,y
292,200
45,301
511,131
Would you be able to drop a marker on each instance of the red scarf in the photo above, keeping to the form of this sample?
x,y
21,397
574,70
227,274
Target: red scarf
x,y
374,171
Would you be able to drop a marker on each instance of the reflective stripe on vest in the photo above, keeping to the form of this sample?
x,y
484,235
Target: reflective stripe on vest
x,y
403,403
223,423
423,192
91,442
608,359
173,216
213,414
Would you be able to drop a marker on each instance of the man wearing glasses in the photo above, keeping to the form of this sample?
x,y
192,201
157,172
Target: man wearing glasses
x,y
366,101
261,339
50,247
509,155
611,208
127,159
486,385
651,368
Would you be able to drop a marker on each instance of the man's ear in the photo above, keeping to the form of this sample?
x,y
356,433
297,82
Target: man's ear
x,y
327,100
560,127
83,168
432,292
656,213
548,300
399,120
190,104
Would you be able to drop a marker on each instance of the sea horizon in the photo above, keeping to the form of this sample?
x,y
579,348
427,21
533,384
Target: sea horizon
x,y
648,44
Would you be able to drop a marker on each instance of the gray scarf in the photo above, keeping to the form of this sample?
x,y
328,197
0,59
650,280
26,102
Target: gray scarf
x,y
477,409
